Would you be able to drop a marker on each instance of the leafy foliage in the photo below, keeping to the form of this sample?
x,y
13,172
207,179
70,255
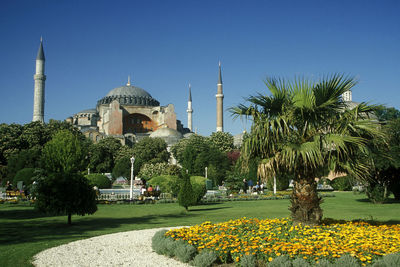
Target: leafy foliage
x,y
150,170
122,168
186,196
204,259
25,175
343,183
103,155
305,127
282,182
99,180
167,183
61,189
65,194
65,153
223,141
150,150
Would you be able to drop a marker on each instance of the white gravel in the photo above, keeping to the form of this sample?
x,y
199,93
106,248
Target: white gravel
x,y
121,249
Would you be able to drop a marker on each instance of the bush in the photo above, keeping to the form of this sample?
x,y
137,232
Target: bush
x,y
248,261
184,252
342,184
300,262
376,193
199,187
149,170
163,245
392,260
281,261
99,180
346,261
173,170
24,175
186,197
204,259
282,182
167,183
324,263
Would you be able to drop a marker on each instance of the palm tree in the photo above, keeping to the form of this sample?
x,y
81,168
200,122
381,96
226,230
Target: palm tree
x,y
305,128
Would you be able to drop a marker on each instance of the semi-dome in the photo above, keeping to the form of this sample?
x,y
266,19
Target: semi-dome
x,y
170,136
129,95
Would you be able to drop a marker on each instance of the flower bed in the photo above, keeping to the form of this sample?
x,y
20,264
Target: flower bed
x,y
271,238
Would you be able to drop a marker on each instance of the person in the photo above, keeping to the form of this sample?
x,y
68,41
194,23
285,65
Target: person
x,y
143,190
150,189
245,185
8,186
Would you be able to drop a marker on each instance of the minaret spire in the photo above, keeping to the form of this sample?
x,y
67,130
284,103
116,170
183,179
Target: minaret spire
x,y
189,109
39,78
220,104
129,81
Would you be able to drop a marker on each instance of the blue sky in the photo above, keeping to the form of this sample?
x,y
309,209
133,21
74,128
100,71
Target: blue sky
x,y
92,46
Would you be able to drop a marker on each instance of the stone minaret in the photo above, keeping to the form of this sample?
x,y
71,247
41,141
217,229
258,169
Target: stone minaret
x,y
190,110
220,104
40,78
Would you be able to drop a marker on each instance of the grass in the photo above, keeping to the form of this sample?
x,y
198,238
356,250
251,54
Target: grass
x,y
24,232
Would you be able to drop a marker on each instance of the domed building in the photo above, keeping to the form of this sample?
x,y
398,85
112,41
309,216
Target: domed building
x,y
129,113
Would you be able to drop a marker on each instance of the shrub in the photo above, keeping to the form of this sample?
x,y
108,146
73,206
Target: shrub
x,y
300,262
376,193
24,175
379,263
150,170
392,260
282,182
281,261
346,261
186,196
324,263
173,170
248,261
204,259
199,187
342,184
99,180
162,244
167,183
184,252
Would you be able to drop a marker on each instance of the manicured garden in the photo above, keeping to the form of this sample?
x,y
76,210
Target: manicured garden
x,y
25,232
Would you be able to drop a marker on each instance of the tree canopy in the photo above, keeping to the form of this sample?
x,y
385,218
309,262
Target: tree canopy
x,y
305,127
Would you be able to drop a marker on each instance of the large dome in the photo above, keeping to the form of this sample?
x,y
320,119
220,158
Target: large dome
x,y
129,95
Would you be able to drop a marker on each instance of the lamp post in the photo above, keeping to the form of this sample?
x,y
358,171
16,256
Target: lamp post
x,y
131,191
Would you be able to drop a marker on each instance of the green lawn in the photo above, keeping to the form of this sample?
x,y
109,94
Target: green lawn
x,y
23,232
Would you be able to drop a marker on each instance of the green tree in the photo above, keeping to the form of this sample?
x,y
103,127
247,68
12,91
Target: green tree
x,y
122,168
305,127
61,188
150,150
223,141
386,113
65,153
65,194
186,197
99,180
102,156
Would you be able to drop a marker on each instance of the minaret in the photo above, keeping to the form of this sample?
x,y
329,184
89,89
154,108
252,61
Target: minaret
x,y
40,78
189,109
220,104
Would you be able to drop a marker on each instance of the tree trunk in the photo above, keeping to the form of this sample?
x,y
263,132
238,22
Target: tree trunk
x,y
69,219
305,202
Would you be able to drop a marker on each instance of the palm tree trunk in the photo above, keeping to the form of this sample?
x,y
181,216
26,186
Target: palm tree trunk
x,y
306,202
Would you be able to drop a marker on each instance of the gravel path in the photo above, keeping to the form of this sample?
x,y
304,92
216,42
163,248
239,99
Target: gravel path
x,y
121,249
